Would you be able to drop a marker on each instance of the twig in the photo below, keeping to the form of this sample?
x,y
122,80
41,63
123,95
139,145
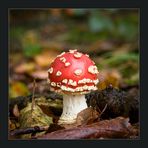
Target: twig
x,y
103,110
29,130
33,100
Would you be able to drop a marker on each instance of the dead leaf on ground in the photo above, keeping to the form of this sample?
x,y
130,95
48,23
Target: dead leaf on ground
x,y
114,128
31,117
16,111
12,124
45,58
109,77
35,117
18,89
86,116
24,68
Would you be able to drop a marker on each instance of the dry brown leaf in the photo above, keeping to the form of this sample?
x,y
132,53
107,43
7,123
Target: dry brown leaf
x,y
86,116
18,89
114,128
44,59
109,77
16,111
35,117
12,124
25,68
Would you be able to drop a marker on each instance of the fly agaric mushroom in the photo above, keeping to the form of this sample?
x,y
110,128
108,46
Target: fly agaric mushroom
x,y
72,74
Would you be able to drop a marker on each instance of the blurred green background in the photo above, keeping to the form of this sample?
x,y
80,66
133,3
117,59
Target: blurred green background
x,y
37,36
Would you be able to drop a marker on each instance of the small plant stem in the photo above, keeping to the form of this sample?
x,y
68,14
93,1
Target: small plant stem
x,y
33,100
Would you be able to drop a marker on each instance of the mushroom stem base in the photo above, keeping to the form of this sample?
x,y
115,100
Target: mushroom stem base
x,y
72,105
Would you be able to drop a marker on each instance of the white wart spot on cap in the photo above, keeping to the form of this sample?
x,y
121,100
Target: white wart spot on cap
x,y
61,54
80,89
71,82
96,81
84,81
58,73
50,70
64,88
58,84
87,55
53,84
72,51
63,59
65,81
92,69
78,72
85,87
67,64
77,55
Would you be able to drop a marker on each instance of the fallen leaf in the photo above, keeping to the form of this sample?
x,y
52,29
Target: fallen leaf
x,y
12,124
16,112
29,118
45,58
86,116
33,117
24,68
18,89
114,128
109,77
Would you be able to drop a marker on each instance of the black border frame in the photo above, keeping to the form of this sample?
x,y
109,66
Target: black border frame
x,y
69,4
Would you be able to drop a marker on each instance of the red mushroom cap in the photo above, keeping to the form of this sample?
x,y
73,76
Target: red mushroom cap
x,y
73,72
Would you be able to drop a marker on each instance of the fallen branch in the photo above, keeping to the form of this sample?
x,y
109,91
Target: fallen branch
x,y
115,128
30,130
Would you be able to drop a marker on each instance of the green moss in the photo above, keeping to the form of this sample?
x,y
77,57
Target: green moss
x,y
31,50
121,59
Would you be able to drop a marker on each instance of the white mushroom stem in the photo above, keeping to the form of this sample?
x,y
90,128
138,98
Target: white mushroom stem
x,y
72,105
